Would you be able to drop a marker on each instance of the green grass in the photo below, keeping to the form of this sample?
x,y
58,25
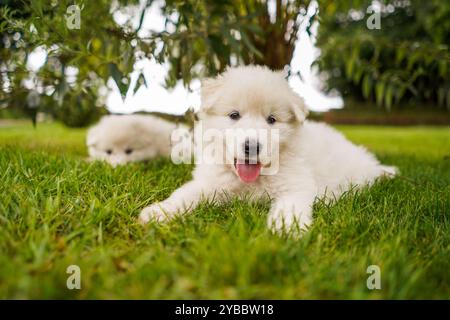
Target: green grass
x,y
57,210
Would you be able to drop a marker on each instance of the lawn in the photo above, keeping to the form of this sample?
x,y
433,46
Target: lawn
x,y
57,210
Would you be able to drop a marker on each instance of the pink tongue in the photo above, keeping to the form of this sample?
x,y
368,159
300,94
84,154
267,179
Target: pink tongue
x,y
248,172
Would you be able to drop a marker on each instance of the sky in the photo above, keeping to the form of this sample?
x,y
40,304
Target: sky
x,y
155,97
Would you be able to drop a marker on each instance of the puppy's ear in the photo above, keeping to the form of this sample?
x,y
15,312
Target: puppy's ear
x,y
299,107
92,137
283,74
209,92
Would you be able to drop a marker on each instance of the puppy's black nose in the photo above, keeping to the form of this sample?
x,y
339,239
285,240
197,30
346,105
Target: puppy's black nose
x,y
251,148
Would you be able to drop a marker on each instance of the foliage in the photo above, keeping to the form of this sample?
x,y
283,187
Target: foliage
x,y
94,52
201,38
56,211
207,36
406,61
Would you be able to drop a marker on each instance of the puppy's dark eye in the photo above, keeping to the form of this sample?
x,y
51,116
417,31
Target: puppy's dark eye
x,y
234,115
109,151
271,119
129,151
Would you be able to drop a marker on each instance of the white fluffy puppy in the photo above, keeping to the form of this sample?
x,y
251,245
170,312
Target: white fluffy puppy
x,y
120,139
311,159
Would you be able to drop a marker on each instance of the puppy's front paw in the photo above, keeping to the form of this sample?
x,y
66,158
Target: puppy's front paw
x,y
156,212
287,217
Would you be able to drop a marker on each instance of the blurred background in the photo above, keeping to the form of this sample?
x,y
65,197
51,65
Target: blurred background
x,y
372,62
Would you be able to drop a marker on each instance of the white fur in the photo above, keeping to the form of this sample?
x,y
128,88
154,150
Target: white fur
x,y
145,135
314,159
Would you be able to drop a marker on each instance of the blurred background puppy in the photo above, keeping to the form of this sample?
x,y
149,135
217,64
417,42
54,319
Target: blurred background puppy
x,y
120,139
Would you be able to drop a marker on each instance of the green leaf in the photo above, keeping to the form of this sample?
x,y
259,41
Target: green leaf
x,y
442,67
400,92
400,55
357,75
388,97
350,65
413,59
250,45
379,92
366,86
255,28
140,81
118,76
